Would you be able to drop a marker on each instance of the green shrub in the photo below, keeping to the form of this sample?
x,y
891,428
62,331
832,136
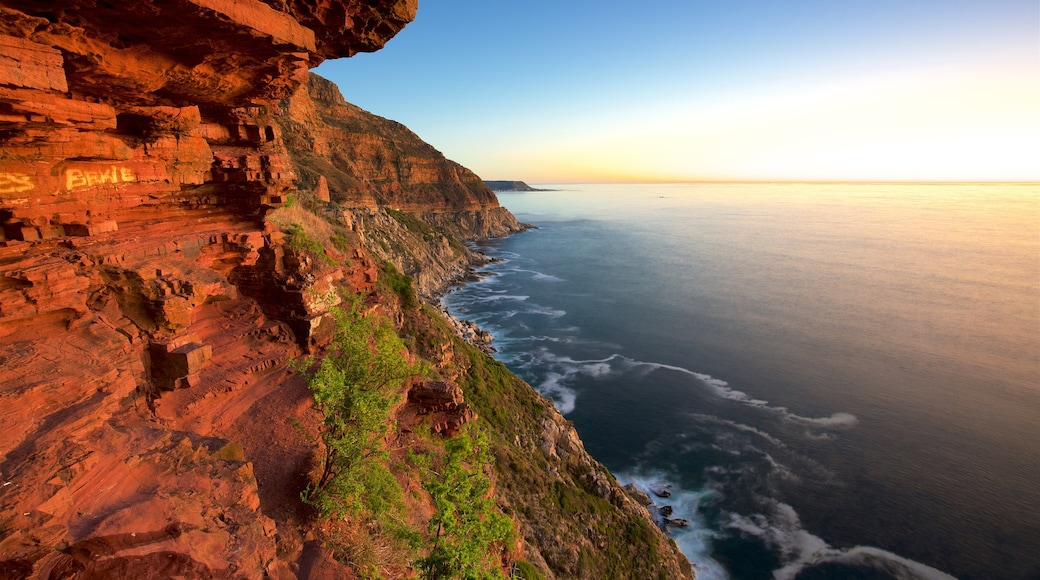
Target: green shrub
x,y
528,572
341,242
354,387
400,284
469,530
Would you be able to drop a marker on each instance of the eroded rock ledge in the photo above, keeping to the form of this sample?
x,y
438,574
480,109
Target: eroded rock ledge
x,y
147,309
138,156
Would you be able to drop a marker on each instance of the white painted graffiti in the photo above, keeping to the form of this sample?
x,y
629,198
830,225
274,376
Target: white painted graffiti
x,y
78,178
15,182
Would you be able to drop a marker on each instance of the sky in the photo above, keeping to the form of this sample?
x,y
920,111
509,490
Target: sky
x,y
552,91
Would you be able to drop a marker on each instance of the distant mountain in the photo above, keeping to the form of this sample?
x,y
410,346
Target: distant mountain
x,y
510,186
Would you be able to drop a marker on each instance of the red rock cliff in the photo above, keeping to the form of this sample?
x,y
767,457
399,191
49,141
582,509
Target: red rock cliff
x,y
138,155
148,311
370,161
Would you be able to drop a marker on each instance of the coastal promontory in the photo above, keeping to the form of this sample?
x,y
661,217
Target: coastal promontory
x,y
498,185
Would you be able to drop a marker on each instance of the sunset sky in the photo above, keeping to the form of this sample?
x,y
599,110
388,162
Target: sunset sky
x,y
669,90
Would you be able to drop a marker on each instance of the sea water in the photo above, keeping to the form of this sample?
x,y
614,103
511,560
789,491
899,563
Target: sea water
x,y
838,381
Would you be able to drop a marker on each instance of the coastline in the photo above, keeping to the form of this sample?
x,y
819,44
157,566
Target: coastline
x,y
685,371
670,508
468,330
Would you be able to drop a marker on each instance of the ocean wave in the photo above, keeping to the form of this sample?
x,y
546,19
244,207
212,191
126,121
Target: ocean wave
x,y
718,387
721,389
546,311
800,550
558,373
739,427
501,298
563,397
536,275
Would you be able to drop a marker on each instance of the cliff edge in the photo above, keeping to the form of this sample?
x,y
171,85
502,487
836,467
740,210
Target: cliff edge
x,y
169,248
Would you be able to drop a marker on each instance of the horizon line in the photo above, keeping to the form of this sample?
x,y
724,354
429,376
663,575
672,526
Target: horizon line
x,y
785,181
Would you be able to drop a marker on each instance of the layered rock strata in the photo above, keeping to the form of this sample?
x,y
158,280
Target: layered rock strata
x,y
149,310
391,185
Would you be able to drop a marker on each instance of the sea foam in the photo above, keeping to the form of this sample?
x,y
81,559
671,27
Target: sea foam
x,y
781,529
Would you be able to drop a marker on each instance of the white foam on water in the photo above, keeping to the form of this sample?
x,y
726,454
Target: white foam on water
x,y
844,420
721,389
536,275
564,369
563,397
501,298
799,549
547,277
545,311
694,540
542,338
740,427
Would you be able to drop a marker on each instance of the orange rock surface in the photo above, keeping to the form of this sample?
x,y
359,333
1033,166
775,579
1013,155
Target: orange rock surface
x,y
369,161
147,313
149,304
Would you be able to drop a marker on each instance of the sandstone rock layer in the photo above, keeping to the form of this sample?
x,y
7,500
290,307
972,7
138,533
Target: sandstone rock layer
x,y
147,312
150,305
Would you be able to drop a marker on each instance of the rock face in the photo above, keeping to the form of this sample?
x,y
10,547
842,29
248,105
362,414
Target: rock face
x,y
392,185
148,310
138,155
370,161
363,161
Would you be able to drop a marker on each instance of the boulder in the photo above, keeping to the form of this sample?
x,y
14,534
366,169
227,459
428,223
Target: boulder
x,y
661,489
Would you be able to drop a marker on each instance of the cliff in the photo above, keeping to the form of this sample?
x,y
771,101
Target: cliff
x,y
167,252
412,203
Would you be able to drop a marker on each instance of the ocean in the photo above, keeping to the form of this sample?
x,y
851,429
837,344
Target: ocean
x,y
836,380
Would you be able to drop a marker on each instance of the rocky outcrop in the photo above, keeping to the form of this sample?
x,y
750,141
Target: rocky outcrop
x,y
141,381
150,305
410,203
441,401
369,161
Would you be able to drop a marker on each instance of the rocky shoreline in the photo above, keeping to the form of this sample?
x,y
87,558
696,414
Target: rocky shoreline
x,y
467,330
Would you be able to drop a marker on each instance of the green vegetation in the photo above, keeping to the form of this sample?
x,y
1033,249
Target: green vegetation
x,y
426,231
527,571
354,387
550,496
412,223
308,232
299,240
400,284
467,527
341,242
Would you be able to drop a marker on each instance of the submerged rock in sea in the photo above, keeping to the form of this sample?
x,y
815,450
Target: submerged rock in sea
x,y
661,489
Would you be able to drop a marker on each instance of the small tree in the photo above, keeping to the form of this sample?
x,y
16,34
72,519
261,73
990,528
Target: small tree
x,y
467,526
355,386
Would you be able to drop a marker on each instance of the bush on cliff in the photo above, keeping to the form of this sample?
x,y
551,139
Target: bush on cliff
x,y
400,284
355,387
307,232
469,531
